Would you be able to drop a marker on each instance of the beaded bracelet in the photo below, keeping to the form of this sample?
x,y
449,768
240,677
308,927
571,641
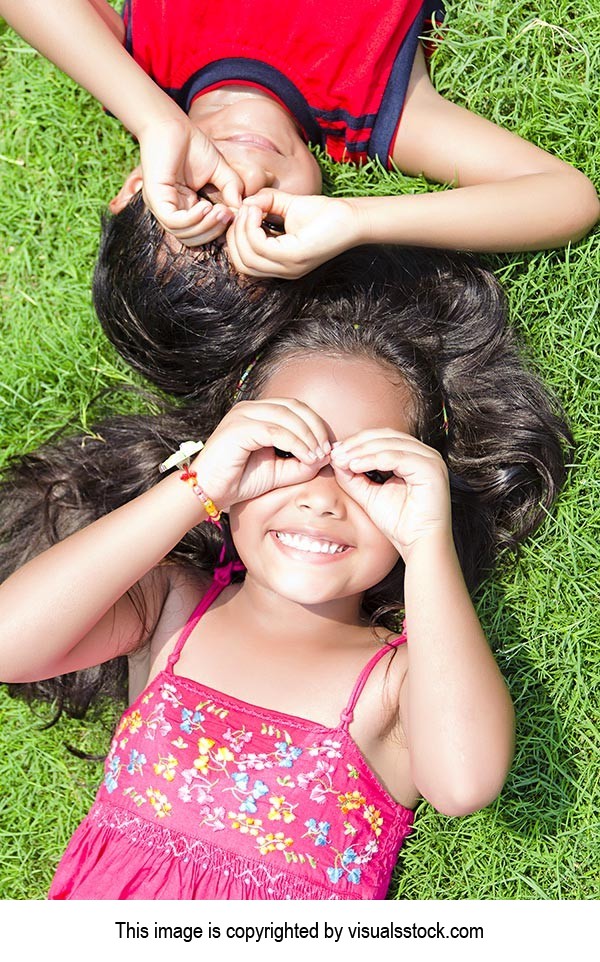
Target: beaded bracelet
x,y
181,459
191,478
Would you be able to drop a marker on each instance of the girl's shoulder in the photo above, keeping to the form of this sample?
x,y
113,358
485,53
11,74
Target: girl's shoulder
x,y
185,586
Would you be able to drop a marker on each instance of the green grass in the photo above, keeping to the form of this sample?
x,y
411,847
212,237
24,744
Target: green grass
x,y
530,67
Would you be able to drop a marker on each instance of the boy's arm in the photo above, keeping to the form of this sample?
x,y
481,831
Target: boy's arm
x,y
68,608
508,195
81,37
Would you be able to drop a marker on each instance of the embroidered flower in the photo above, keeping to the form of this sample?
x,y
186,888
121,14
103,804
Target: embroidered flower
x,y
245,824
191,721
352,771
280,809
374,818
272,842
136,763
169,693
135,722
179,742
159,802
202,763
350,800
166,767
111,776
214,818
156,723
237,739
348,856
328,747
318,832
287,754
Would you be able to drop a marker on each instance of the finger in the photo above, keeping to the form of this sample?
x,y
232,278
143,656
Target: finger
x,y
228,182
385,435
407,465
212,225
250,248
306,414
298,423
365,492
270,201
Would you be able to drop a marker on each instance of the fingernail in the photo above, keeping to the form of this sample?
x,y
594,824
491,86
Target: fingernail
x,y
339,455
224,216
327,447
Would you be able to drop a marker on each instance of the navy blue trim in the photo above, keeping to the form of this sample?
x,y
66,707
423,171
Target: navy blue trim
x,y
252,71
392,102
354,123
128,28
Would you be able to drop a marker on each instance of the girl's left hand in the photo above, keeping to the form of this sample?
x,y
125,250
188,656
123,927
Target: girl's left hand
x,y
316,229
407,496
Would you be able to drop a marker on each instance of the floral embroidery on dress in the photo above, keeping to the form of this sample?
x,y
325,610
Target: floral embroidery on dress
x,y
253,782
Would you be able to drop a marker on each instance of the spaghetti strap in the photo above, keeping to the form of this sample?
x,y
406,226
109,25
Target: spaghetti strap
x,y
221,578
348,713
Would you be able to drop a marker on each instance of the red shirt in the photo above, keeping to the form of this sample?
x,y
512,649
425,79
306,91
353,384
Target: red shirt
x,y
341,68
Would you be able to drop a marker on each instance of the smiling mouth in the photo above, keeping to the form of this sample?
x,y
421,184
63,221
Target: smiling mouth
x,y
253,140
302,542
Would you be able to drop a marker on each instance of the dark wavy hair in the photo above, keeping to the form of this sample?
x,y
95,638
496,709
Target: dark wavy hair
x,y
438,319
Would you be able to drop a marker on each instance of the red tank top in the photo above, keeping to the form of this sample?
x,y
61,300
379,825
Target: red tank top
x,y
208,797
341,68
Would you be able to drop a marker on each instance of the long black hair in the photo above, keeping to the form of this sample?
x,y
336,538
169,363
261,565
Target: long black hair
x,y
438,319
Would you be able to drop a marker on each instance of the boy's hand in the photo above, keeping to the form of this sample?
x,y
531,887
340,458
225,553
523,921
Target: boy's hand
x,y
178,160
316,229
407,494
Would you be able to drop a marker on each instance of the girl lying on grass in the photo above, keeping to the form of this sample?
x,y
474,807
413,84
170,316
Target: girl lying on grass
x,y
225,100
294,596
232,95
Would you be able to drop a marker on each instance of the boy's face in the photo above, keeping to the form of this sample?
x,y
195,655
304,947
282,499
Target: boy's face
x,y
259,140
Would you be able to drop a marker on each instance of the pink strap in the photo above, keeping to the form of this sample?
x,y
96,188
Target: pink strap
x,y
348,713
221,578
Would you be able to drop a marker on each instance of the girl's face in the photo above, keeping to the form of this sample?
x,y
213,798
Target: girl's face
x,y
275,532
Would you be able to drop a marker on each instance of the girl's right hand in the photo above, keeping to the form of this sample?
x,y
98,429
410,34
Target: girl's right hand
x,y
243,458
178,160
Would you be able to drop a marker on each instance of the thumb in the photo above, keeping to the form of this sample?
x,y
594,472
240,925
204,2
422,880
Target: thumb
x,y
356,485
271,201
228,183
291,471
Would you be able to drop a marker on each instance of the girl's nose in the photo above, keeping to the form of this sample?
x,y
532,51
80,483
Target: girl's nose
x,y
322,496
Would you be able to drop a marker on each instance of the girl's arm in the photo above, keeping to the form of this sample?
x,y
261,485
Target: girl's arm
x,y
67,608
508,195
454,708
82,38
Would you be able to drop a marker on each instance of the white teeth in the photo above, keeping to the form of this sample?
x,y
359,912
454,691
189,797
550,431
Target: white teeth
x,y
303,543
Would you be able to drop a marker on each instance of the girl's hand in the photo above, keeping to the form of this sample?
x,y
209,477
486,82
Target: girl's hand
x,y
316,229
244,457
178,160
407,495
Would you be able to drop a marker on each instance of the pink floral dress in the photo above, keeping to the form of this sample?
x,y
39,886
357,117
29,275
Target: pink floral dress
x,y
208,797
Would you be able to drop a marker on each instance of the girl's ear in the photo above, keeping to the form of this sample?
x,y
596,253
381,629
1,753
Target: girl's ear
x,y
132,185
